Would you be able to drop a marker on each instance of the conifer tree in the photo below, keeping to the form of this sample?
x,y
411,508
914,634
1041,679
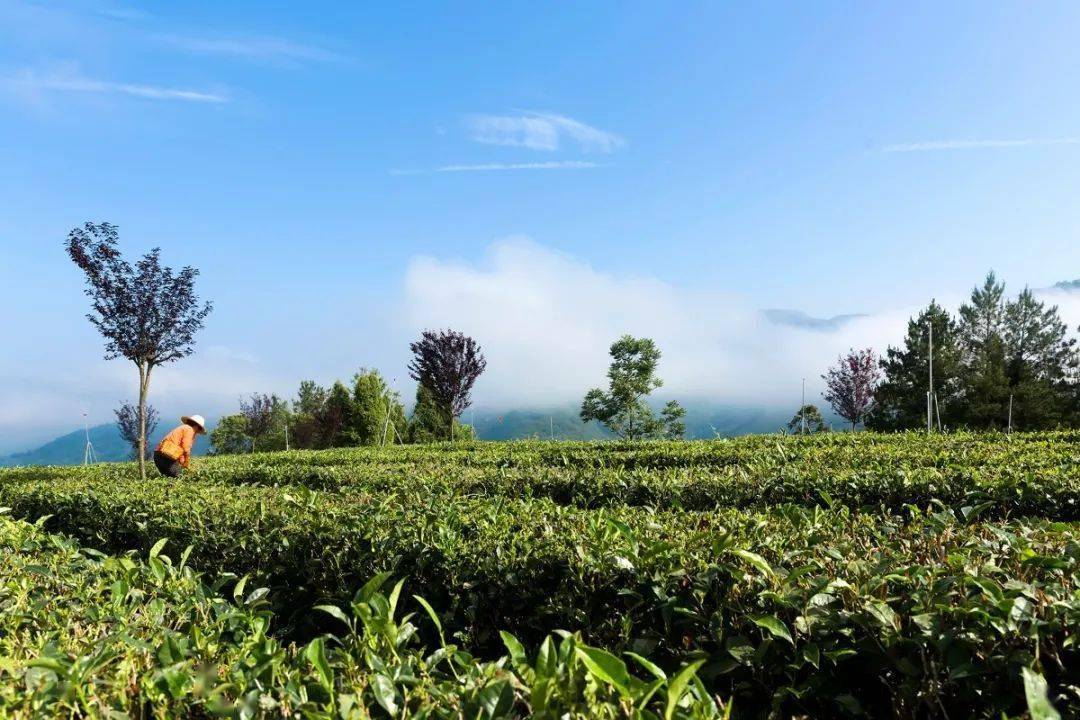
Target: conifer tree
x,y
982,329
901,397
1040,359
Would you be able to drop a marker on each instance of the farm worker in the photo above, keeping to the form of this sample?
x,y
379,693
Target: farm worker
x,y
174,450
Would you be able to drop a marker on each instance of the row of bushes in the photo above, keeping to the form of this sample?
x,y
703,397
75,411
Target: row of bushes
x,y
799,609
1006,476
87,635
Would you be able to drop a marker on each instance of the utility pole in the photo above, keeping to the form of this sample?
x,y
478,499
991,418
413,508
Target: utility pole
x,y
286,434
551,426
802,408
89,456
930,392
1010,413
386,423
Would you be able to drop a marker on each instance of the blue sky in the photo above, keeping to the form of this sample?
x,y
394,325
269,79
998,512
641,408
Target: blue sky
x,y
345,174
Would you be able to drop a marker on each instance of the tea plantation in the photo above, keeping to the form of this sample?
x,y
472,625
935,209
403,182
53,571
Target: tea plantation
x,y
844,575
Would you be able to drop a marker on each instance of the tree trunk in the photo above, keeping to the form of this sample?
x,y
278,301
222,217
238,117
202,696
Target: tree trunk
x,y
144,387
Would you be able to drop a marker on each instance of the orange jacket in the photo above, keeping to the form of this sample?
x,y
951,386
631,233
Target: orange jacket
x,y
178,443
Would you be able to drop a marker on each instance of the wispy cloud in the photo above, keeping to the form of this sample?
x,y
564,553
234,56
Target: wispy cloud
x,y
551,165
495,167
252,48
70,83
116,12
540,131
977,144
101,8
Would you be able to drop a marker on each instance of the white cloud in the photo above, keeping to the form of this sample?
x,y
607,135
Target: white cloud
x,y
540,131
496,167
252,48
1067,301
977,144
76,83
37,406
553,165
546,319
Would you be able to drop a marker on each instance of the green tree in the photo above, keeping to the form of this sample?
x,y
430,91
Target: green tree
x,y
672,421
631,378
310,398
428,421
378,414
281,417
901,397
983,355
1040,361
807,420
305,429
230,436
336,420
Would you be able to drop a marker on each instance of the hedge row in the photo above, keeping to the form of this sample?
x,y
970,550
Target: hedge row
x,y
1029,474
800,609
87,635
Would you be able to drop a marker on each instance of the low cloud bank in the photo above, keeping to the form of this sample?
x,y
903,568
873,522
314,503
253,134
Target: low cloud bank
x,y
546,319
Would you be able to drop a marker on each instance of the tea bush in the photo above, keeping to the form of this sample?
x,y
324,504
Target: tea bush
x,y
898,575
84,634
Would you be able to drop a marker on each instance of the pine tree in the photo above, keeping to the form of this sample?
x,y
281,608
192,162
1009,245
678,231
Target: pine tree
x,y
901,397
982,343
1040,360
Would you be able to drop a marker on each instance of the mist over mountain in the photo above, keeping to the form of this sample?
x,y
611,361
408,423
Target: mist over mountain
x,y
799,319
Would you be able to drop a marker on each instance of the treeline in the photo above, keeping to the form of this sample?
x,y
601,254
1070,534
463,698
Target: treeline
x,y
999,363
365,412
998,351
445,366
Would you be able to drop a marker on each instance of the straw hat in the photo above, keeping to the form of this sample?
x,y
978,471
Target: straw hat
x,y
197,421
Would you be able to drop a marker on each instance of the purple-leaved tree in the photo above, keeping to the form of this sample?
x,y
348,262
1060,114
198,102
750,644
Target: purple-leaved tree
x,y
146,312
447,363
127,422
850,385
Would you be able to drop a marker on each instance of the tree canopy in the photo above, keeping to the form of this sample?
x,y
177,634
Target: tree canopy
x,y
622,408
448,364
146,312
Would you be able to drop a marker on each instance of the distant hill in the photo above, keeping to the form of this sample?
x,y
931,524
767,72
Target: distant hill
x,y
1068,285
799,319
703,420
69,449
560,423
